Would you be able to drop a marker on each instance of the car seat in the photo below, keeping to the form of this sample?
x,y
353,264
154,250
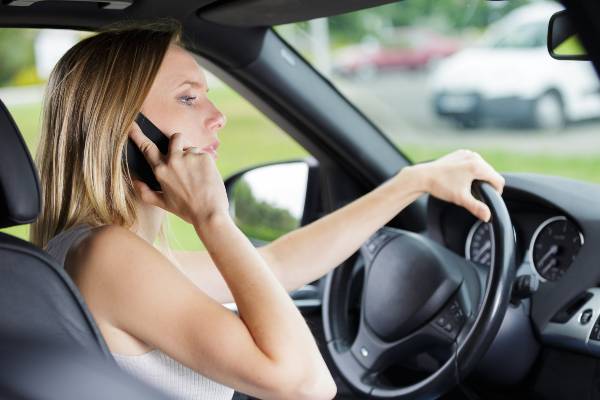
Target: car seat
x,y
50,346
37,297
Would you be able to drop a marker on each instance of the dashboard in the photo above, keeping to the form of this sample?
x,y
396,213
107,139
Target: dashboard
x,y
556,225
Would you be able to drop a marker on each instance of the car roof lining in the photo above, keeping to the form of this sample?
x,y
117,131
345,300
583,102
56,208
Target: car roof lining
x,y
91,16
277,12
243,13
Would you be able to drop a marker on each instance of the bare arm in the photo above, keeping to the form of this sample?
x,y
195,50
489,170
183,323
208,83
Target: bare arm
x,y
308,253
199,267
267,351
277,326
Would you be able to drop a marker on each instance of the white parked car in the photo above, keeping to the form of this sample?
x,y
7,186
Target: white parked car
x,y
521,84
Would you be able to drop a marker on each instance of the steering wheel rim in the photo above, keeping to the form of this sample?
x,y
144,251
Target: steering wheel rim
x,y
380,340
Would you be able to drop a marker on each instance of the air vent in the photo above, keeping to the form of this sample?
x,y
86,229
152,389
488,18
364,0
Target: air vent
x,y
107,5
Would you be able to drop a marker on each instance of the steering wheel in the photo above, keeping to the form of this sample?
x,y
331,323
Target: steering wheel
x,y
424,310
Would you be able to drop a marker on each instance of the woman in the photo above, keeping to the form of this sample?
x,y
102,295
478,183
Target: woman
x,y
160,313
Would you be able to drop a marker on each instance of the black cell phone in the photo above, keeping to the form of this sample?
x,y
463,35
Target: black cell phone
x,y
138,166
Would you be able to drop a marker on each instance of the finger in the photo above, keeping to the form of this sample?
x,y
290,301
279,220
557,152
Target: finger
x,y
148,195
146,146
493,177
176,143
477,208
482,170
194,150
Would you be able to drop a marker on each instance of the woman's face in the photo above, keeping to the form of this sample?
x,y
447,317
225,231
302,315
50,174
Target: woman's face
x,y
178,102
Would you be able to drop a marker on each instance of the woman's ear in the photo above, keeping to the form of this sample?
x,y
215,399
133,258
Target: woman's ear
x,y
138,186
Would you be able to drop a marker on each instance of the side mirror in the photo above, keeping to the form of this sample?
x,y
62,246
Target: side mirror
x,y
271,200
563,39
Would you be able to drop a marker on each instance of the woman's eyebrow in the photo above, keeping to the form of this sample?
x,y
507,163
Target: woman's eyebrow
x,y
192,83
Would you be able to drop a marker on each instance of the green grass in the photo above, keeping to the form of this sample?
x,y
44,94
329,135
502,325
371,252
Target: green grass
x,y
250,139
583,167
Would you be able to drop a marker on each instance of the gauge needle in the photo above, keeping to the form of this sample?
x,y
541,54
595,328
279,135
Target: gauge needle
x,y
549,266
551,251
486,246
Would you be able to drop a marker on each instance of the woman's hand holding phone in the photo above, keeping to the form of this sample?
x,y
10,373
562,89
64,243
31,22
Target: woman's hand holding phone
x,y
192,187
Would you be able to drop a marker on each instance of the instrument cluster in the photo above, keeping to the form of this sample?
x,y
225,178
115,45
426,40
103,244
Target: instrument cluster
x,y
552,249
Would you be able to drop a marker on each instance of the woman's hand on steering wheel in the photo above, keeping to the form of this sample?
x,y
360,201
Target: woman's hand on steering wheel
x,y
450,177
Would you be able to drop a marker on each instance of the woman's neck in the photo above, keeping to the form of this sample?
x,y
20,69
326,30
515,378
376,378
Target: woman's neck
x,y
149,221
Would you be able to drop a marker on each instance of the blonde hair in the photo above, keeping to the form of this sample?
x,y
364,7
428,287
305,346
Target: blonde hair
x,y
92,97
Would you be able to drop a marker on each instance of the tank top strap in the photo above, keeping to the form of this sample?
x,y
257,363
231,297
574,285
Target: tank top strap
x,y
59,245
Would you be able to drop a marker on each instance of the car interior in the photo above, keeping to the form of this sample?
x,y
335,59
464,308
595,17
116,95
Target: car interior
x,y
505,310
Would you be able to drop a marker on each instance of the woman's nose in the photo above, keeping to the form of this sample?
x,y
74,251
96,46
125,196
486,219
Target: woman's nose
x,y
216,120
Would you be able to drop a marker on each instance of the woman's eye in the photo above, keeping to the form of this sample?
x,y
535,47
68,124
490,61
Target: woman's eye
x,y
188,100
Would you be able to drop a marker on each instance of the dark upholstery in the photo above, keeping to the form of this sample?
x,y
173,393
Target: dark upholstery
x,y
37,369
50,346
38,298
20,198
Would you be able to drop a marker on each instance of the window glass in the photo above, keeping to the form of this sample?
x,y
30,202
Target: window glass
x,y
436,76
525,37
28,55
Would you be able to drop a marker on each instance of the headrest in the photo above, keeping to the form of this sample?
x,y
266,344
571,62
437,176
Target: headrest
x,y
20,196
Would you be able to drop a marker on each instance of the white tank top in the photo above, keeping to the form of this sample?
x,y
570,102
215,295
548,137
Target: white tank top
x,y
155,367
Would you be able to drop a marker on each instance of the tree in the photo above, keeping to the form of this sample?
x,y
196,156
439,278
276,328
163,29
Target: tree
x,y
259,219
452,16
16,52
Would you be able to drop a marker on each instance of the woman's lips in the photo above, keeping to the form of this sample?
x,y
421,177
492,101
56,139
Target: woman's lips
x,y
212,148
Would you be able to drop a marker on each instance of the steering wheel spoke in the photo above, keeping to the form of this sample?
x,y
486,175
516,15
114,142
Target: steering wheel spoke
x,y
375,354
450,320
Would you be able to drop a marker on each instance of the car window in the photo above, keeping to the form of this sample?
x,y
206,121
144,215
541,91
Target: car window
x,y
482,80
249,138
523,37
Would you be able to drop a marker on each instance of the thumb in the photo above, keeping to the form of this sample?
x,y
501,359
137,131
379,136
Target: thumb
x,y
477,208
148,195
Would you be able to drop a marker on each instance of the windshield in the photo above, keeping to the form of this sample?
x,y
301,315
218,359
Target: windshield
x,y
440,75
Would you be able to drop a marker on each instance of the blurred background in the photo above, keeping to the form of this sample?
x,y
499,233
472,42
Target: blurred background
x,y
433,75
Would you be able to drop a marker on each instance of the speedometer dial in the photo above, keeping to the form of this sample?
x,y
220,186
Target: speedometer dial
x,y
554,246
479,244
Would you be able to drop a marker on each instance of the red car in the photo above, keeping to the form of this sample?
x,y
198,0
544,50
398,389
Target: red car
x,y
410,49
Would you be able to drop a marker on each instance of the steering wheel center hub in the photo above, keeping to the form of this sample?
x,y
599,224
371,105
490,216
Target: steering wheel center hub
x,y
402,295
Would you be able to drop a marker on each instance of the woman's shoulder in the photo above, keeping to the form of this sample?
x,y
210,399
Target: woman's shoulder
x,y
128,284
105,244
108,263
103,233
105,264
103,254
97,242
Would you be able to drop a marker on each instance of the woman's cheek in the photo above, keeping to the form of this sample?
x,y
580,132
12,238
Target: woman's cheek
x,y
190,136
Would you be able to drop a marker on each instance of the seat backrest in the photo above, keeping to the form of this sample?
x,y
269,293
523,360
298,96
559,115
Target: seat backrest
x,y
36,370
37,297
